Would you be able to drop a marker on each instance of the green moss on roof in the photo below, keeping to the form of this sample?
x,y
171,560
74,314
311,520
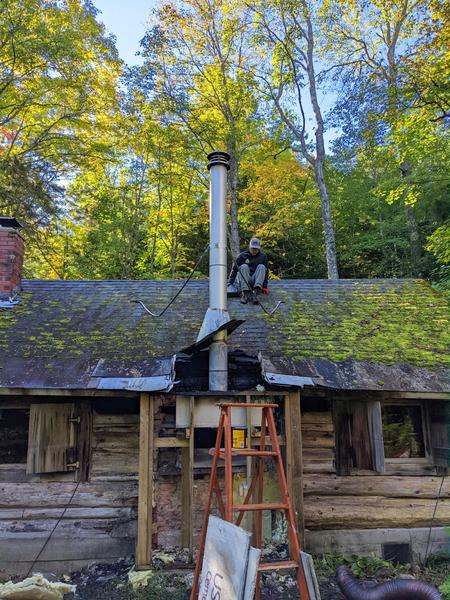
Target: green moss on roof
x,y
408,323
382,321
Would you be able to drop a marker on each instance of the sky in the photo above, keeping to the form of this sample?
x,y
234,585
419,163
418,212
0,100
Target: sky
x,y
126,19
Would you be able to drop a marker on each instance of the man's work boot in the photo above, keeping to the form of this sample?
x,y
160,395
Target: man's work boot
x,y
244,297
255,298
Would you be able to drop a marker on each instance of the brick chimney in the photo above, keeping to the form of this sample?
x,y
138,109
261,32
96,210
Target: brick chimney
x,y
11,256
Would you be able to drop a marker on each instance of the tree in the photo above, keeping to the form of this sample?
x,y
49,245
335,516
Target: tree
x,y
198,54
130,215
58,90
281,206
375,44
286,29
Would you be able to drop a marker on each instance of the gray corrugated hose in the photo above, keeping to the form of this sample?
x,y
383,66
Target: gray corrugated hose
x,y
399,589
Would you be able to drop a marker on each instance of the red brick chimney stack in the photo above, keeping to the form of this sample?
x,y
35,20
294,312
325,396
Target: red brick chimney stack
x,y
11,256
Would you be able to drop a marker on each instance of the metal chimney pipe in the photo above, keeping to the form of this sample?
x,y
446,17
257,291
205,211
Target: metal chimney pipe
x,y
218,166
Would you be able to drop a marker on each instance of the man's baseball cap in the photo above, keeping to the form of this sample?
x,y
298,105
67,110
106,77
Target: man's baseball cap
x,y
255,243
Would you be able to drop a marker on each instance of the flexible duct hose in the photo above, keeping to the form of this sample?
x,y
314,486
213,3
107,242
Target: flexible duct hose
x,y
399,589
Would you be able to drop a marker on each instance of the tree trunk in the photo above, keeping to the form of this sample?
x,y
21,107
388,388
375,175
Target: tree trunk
x,y
233,178
328,230
414,239
173,262
413,229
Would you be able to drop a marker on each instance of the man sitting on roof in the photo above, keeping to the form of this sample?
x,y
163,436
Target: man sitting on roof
x,y
251,272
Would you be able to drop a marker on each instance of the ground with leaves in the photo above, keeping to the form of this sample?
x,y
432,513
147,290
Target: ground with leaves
x,y
110,582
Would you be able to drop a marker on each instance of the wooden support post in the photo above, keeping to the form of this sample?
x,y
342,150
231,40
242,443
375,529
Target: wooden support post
x,y
341,421
248,420
146,445
187,485
84,412
376,435
294,458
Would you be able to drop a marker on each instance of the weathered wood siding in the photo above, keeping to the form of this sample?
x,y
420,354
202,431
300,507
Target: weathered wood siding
x,y
100,523
318,443
404,497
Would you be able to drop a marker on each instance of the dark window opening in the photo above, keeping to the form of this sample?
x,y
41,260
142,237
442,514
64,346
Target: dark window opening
x,y
117,406
403,431
205,437
315,404
399,554
14,435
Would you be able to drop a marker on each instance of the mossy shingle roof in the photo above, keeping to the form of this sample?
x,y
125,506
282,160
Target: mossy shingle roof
x,y
346,331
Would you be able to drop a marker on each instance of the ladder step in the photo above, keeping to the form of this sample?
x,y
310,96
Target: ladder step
x,y
247,405
275,566
244,452
267,506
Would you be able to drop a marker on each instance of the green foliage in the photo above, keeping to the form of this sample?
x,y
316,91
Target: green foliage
x,y
445,588
106,166
58,87
399,436
435,571
162,586
366,565
362,566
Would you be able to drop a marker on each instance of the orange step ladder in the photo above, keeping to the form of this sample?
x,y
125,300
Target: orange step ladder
x,y
225,499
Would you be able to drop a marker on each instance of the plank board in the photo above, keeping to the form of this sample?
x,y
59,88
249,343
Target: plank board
x,y
49,437
294,458
146,445
379,485
187,483
51,494
370,541
334,512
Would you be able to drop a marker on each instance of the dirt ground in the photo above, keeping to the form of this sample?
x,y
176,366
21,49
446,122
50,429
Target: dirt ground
x,y
173,581
110,582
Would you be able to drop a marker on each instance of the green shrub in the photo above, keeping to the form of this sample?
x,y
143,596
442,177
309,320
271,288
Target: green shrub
x,y
445,588
366,566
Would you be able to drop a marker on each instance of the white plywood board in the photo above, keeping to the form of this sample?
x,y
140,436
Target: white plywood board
x,y
254,556
183,412
310,575
207,412
225,561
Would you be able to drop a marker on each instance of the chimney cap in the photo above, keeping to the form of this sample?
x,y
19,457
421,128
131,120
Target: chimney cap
x,y
219,157
10,222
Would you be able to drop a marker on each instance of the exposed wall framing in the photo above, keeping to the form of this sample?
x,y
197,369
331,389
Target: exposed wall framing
x,y
190,504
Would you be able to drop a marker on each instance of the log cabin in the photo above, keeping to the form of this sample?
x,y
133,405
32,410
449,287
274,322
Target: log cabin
x,y
107,414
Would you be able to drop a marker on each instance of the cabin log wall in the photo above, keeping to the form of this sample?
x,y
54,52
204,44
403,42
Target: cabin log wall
x,y
100,523
358,512
363,510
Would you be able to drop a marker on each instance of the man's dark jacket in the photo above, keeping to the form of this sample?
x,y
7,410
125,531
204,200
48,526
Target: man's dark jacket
x,y
252,262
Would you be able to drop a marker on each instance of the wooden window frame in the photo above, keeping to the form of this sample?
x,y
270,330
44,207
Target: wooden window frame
x,y
419,460
20,465
344,410
83,411
342,413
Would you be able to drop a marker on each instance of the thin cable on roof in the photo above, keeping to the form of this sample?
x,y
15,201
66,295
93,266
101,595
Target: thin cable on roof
x,y
268,312
160,314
